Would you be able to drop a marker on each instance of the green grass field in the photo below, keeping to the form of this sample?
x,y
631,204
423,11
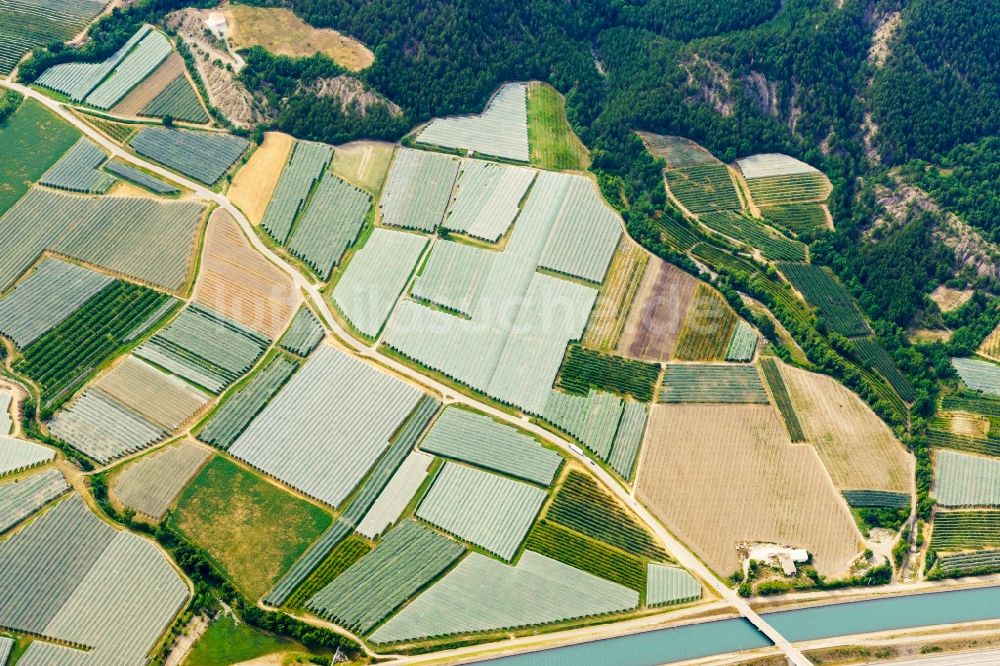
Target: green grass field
x,y
225,642
249,527
31,141
553,143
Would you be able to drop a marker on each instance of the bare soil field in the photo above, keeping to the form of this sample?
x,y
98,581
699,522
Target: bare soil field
x,y
658,312
280,31
253,185
949,299
719,474
155,83
967,425
363,163
241,284
615,300
857,447
991,345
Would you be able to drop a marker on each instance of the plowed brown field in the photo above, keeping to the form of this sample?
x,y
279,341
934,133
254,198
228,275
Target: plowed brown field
x,y
241,284
657,313
719,474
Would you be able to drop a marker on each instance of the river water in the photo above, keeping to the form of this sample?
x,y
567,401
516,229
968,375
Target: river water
x,y
662,646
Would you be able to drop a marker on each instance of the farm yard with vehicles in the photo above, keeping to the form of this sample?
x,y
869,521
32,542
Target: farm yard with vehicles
x,y
297,367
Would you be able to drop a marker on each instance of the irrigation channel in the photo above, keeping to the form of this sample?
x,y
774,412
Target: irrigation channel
x,y
706,639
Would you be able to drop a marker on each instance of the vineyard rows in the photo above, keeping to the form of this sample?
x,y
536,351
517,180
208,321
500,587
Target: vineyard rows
x,y
418,189
677,233
591,419
30,23
205,348
137,65
807,218
493,512
670,585
377,274
586,369
712,383
158,397
239,409
791,189
703,188
481,594
17,455
453,276
501,130
76,80
19,499
583,215
604,329
329,225
487,199
947,440
979,375
595,557
779,391
79,170
65,356
747,230
970,401
966,530
409,557
968,562
305,167
364,499
341,558
71,577
329,424
743,344
580,504
304,334
396,495
152,484
138,177
479,440
874,355
820,289
628,439
103,428
179,101
963,480
204,156
143,238
51,293
708,327
864,499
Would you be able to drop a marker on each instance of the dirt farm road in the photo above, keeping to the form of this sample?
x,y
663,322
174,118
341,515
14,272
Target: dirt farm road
x,y
685,558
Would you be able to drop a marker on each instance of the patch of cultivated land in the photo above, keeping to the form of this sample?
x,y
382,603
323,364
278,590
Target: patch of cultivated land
x,y
718,474
657,313
856,446
280,31
625,275
238,282
31,140
228,641
250,527
363,163
949,299
253,185
990,347
154,84
552,141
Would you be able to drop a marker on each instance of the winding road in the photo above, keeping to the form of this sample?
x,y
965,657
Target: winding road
x,y
684,557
